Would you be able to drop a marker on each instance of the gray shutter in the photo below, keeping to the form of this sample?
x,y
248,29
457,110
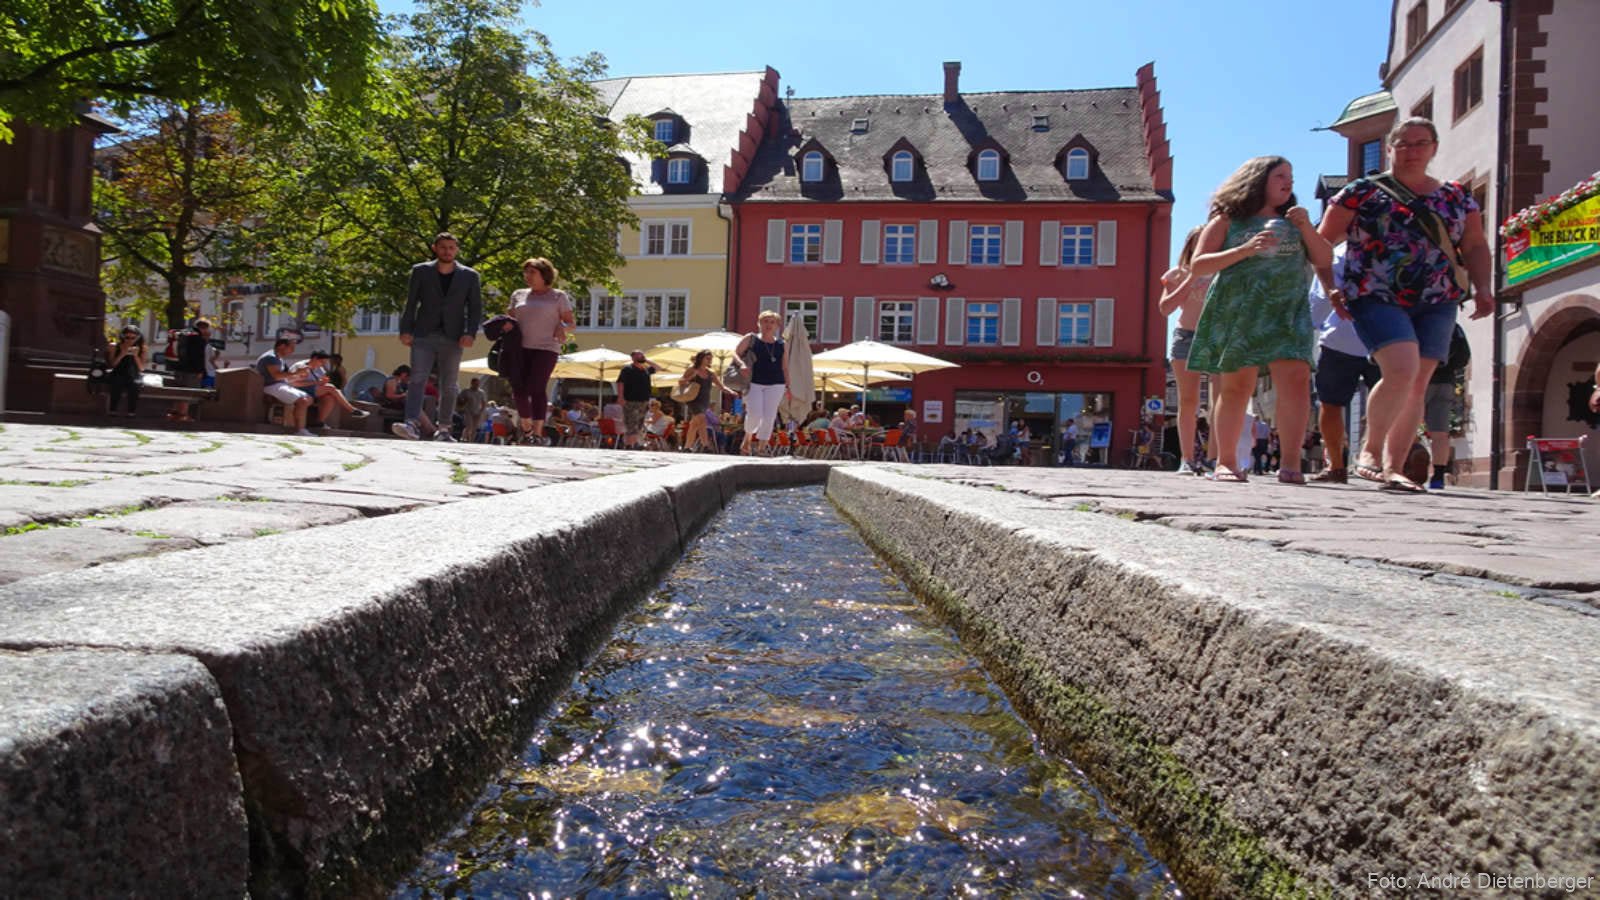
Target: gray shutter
x,y
1011,321
777,236
869,240
1050,244
832,238
1013,243
927,320
866,309
832,314
773,303
1104,330
928,241
958,243
1048,331
955,320
1105,244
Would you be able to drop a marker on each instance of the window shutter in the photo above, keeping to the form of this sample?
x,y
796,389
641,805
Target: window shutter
x,y
865,310
928,241
1047,332
832,316
958,243
658,171
773,303
832,237
1104,332
1105,244
1011,321
1050,244
1013,245
927,320
955,320
777,236
869,240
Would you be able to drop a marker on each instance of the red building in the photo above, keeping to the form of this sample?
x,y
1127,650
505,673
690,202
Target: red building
x,y
1020,234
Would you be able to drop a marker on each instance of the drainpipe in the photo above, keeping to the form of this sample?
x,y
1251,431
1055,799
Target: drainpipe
x,y
1144,315
1502,193
725,212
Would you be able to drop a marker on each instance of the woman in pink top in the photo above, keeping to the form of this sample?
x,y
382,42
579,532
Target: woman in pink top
x,y
544,316
1185,294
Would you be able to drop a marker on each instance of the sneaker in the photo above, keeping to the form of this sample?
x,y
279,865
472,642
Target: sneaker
x,y
443,436
405,430
1436,483
1185,469
304,433
359,414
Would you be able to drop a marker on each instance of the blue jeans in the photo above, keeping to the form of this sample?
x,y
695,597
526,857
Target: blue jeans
x,y
426,350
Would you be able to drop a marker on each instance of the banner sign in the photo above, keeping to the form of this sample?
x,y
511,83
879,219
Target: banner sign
x,y
1571,235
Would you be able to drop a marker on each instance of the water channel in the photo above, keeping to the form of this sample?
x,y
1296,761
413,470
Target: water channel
x,y
782,718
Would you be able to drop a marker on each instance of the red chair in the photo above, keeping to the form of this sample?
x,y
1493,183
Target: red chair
x,y
891,449
609,436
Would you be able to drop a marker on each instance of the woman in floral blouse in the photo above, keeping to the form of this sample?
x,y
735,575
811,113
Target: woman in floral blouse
x,y
1402,288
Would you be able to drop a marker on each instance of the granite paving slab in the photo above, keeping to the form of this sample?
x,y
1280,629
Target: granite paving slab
x,y
217,522
64,549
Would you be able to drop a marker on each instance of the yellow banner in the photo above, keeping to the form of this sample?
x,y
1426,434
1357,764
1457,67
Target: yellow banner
x,y
1578,225
1570,236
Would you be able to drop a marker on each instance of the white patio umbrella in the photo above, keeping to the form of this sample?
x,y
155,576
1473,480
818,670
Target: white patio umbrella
x,y
479,366
682,352
599,364
869,355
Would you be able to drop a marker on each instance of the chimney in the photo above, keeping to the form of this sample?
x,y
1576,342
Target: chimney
x,y
952,82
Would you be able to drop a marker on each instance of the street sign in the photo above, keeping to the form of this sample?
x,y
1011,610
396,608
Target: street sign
x,y
1155,406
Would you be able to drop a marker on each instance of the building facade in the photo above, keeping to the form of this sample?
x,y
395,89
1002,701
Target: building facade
x,y
1450,60
1019,234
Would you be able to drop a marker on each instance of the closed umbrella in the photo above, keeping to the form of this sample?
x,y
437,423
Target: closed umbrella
x,y
869,355
796,404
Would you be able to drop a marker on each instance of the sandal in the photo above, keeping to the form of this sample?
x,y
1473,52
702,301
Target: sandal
x,y
1332,476
1290,476
1226,475
1369,472
1399,484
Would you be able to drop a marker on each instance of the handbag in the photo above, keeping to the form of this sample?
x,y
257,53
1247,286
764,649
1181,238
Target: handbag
x,y
1432,226
686,391
736,377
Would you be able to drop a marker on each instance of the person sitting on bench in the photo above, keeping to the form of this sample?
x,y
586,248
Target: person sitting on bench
x,y
274,370
312,377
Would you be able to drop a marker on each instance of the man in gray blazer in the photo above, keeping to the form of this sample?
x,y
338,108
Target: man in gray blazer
x,y
444,305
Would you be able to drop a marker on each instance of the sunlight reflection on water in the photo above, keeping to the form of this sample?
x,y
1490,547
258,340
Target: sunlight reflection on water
x,y
782,718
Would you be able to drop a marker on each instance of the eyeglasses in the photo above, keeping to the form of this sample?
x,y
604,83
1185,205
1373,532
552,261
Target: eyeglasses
x,y
1408,145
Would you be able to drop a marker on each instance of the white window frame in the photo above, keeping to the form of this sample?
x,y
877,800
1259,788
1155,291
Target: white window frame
x,y
665,131
653,240
605,311
1070,316
897,321
1077,238
652,308
979,313
810,313
902,158
809,234
985,237
1077,164
678,239
811,167
680,171
627,312
676,314
988,165
583,310
900,244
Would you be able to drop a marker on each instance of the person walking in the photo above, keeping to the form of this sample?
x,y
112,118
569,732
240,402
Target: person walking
x,y
696,437
1184,294
444,304
128,356
1438,402
1342,366
1415,246
767,357
544,317
1258,243
633,386
472,402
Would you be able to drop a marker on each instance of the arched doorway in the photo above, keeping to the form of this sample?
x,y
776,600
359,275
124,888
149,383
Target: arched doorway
x,y
1562,353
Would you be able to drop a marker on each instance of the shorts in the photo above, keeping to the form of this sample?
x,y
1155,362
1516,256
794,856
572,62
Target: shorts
x,y
1338,373
633,413
1430,325
1182,340
285,393
1436,406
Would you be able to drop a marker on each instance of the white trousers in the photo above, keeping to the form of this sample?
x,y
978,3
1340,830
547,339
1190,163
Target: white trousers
x,y
761,409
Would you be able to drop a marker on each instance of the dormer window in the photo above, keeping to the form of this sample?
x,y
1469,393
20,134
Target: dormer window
x,y
989,165
811,167
666,131
680,171
902,167
1077,164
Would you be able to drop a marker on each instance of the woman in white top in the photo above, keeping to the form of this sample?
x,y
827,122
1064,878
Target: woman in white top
x,y
544,316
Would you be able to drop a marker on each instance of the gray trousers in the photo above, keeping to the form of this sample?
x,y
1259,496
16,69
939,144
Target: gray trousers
x,y
426,351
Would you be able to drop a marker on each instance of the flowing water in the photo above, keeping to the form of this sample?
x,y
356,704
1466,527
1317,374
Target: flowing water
x,y
782,718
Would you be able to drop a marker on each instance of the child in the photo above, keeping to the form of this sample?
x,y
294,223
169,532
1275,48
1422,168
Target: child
x,y
1262,248
1186,294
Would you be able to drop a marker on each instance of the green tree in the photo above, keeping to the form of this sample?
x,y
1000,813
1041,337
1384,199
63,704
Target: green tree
x,y
484,132
256,57
181,198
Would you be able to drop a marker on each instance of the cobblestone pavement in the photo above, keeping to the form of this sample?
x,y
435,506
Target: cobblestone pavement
x,y
73,497
1538,545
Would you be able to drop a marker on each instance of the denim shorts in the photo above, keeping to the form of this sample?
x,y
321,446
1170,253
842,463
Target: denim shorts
x,y
1182,340
1338,373
1430,325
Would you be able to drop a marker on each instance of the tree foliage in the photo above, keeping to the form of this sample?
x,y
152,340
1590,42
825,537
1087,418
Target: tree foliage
x,y
484,132
181,198
255,56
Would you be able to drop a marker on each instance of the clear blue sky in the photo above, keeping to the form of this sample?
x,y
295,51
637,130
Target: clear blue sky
x,y
1238,79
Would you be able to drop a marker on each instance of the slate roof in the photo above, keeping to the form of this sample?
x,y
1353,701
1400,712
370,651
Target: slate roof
x,y
1110,119
714,107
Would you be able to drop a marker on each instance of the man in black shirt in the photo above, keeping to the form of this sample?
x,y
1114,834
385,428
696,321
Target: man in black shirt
x,y
633,385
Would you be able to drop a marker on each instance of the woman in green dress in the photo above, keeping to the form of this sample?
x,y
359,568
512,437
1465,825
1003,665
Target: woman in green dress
x,y
1262,249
